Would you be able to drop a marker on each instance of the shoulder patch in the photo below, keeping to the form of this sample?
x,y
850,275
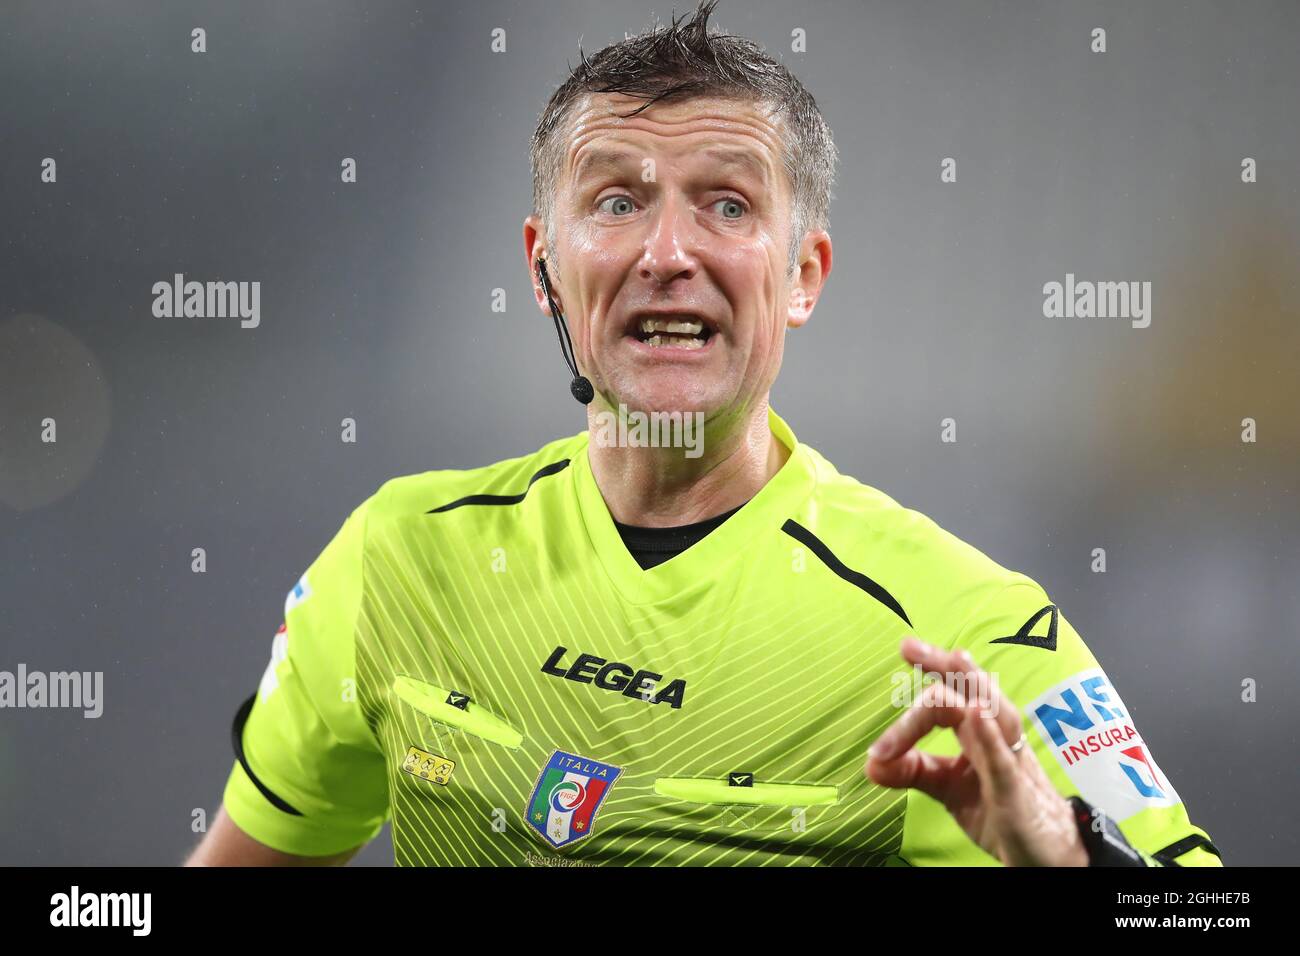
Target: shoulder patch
x,y
1083,722
300,592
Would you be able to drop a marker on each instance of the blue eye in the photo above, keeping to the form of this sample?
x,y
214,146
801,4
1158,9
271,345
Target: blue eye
x,y
733,204
626,205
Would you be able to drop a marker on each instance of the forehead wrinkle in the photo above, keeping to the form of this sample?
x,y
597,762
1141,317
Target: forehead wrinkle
x,y
588,157
597,159
585,128
676,119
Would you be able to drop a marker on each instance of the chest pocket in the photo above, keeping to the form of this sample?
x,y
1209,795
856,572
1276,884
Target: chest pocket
x,y
734,801
456,711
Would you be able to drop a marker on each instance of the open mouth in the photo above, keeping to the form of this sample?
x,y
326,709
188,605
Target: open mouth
x,y
672,330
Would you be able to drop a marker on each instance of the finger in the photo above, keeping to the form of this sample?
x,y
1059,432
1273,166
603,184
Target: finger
x,y
935,659
994,703
970,681
930,773
991,755
955,668
1036,773
938,706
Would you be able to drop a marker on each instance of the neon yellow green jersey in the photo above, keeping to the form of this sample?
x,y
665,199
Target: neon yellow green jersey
x,y
477,656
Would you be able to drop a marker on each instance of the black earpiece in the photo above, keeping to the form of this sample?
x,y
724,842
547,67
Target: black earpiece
x,y
580,387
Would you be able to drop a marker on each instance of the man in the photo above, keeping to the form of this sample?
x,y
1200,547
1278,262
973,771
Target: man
x,y
619,652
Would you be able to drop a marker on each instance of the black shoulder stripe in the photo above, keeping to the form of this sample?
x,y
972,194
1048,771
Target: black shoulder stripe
x,y
237,738
856,578
550,469
1169,854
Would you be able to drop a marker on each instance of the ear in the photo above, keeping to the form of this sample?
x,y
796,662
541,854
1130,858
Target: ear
x,y
534,250
811,272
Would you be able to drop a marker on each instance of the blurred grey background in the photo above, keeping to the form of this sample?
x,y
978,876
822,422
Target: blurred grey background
x,y
1073,434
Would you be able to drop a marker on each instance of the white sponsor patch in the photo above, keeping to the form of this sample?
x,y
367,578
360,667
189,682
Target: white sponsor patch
x,y
301,591
279,651
1085,724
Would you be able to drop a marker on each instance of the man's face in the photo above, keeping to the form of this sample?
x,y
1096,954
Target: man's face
x,y
672,233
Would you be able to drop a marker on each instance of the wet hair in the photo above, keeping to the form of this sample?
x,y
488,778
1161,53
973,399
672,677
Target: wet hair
x,y
684,60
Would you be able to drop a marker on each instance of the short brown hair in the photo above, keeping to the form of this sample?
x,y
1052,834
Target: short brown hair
x,y
685,60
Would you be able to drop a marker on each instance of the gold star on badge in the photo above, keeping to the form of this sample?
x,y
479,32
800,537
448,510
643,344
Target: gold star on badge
x,y
537,817
579,825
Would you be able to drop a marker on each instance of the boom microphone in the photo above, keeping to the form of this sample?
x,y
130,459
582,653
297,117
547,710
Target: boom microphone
x,y
580,386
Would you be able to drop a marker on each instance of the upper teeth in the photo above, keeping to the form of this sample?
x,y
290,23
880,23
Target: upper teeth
x,y
689,327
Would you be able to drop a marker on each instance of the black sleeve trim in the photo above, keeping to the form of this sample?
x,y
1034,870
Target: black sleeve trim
x,y
856,578
1169,854
550,469
237,738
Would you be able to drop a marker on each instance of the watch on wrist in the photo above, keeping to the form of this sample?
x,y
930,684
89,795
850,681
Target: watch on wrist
x,y
1102,838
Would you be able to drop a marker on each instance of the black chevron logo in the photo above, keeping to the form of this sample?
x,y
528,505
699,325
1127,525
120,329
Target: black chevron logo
x,y
1023,636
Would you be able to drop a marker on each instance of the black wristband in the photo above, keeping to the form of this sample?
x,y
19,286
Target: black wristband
x,y
1102,838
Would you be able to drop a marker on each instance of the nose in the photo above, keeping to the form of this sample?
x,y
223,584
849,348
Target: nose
x,y
666,256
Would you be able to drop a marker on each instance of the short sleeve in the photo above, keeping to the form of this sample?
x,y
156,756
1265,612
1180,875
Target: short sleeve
x,y
309,776
1081,730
